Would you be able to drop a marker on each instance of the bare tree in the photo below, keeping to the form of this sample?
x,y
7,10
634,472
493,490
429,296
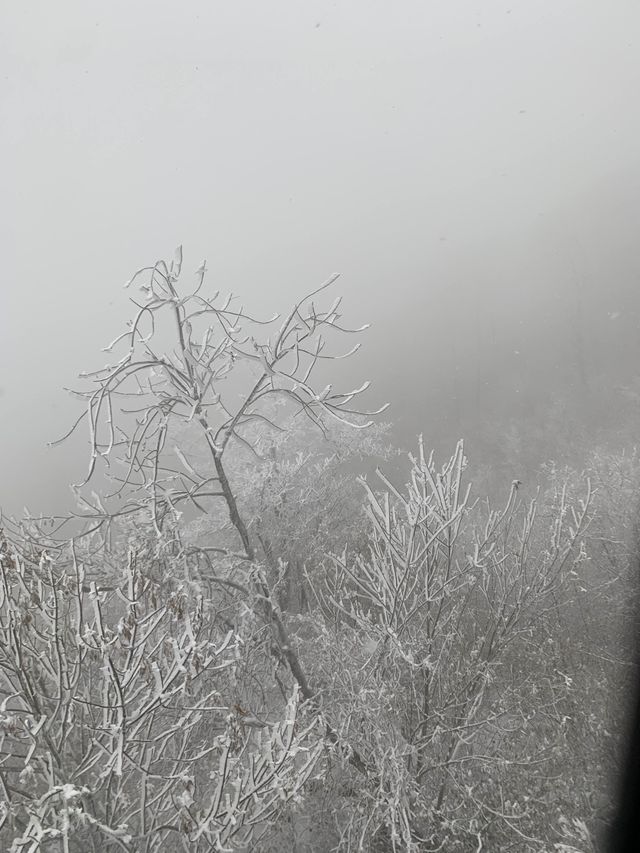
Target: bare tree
x,y
208,344
442,627
202,364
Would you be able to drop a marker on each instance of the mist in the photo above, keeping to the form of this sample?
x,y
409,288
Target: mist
x,y
471,171
367,664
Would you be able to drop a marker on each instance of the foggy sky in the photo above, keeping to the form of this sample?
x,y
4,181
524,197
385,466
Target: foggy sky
x,y
472,169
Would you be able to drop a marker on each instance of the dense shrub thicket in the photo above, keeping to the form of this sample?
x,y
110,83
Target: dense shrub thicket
x,y
238,644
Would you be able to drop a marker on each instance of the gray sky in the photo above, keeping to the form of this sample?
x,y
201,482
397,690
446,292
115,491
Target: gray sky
x,y
462,164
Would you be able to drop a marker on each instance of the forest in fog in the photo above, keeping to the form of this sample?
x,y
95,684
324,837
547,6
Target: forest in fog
x,y
348,563
263,627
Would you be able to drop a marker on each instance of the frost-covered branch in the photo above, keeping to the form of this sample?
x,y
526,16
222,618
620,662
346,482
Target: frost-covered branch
x,y
113,730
